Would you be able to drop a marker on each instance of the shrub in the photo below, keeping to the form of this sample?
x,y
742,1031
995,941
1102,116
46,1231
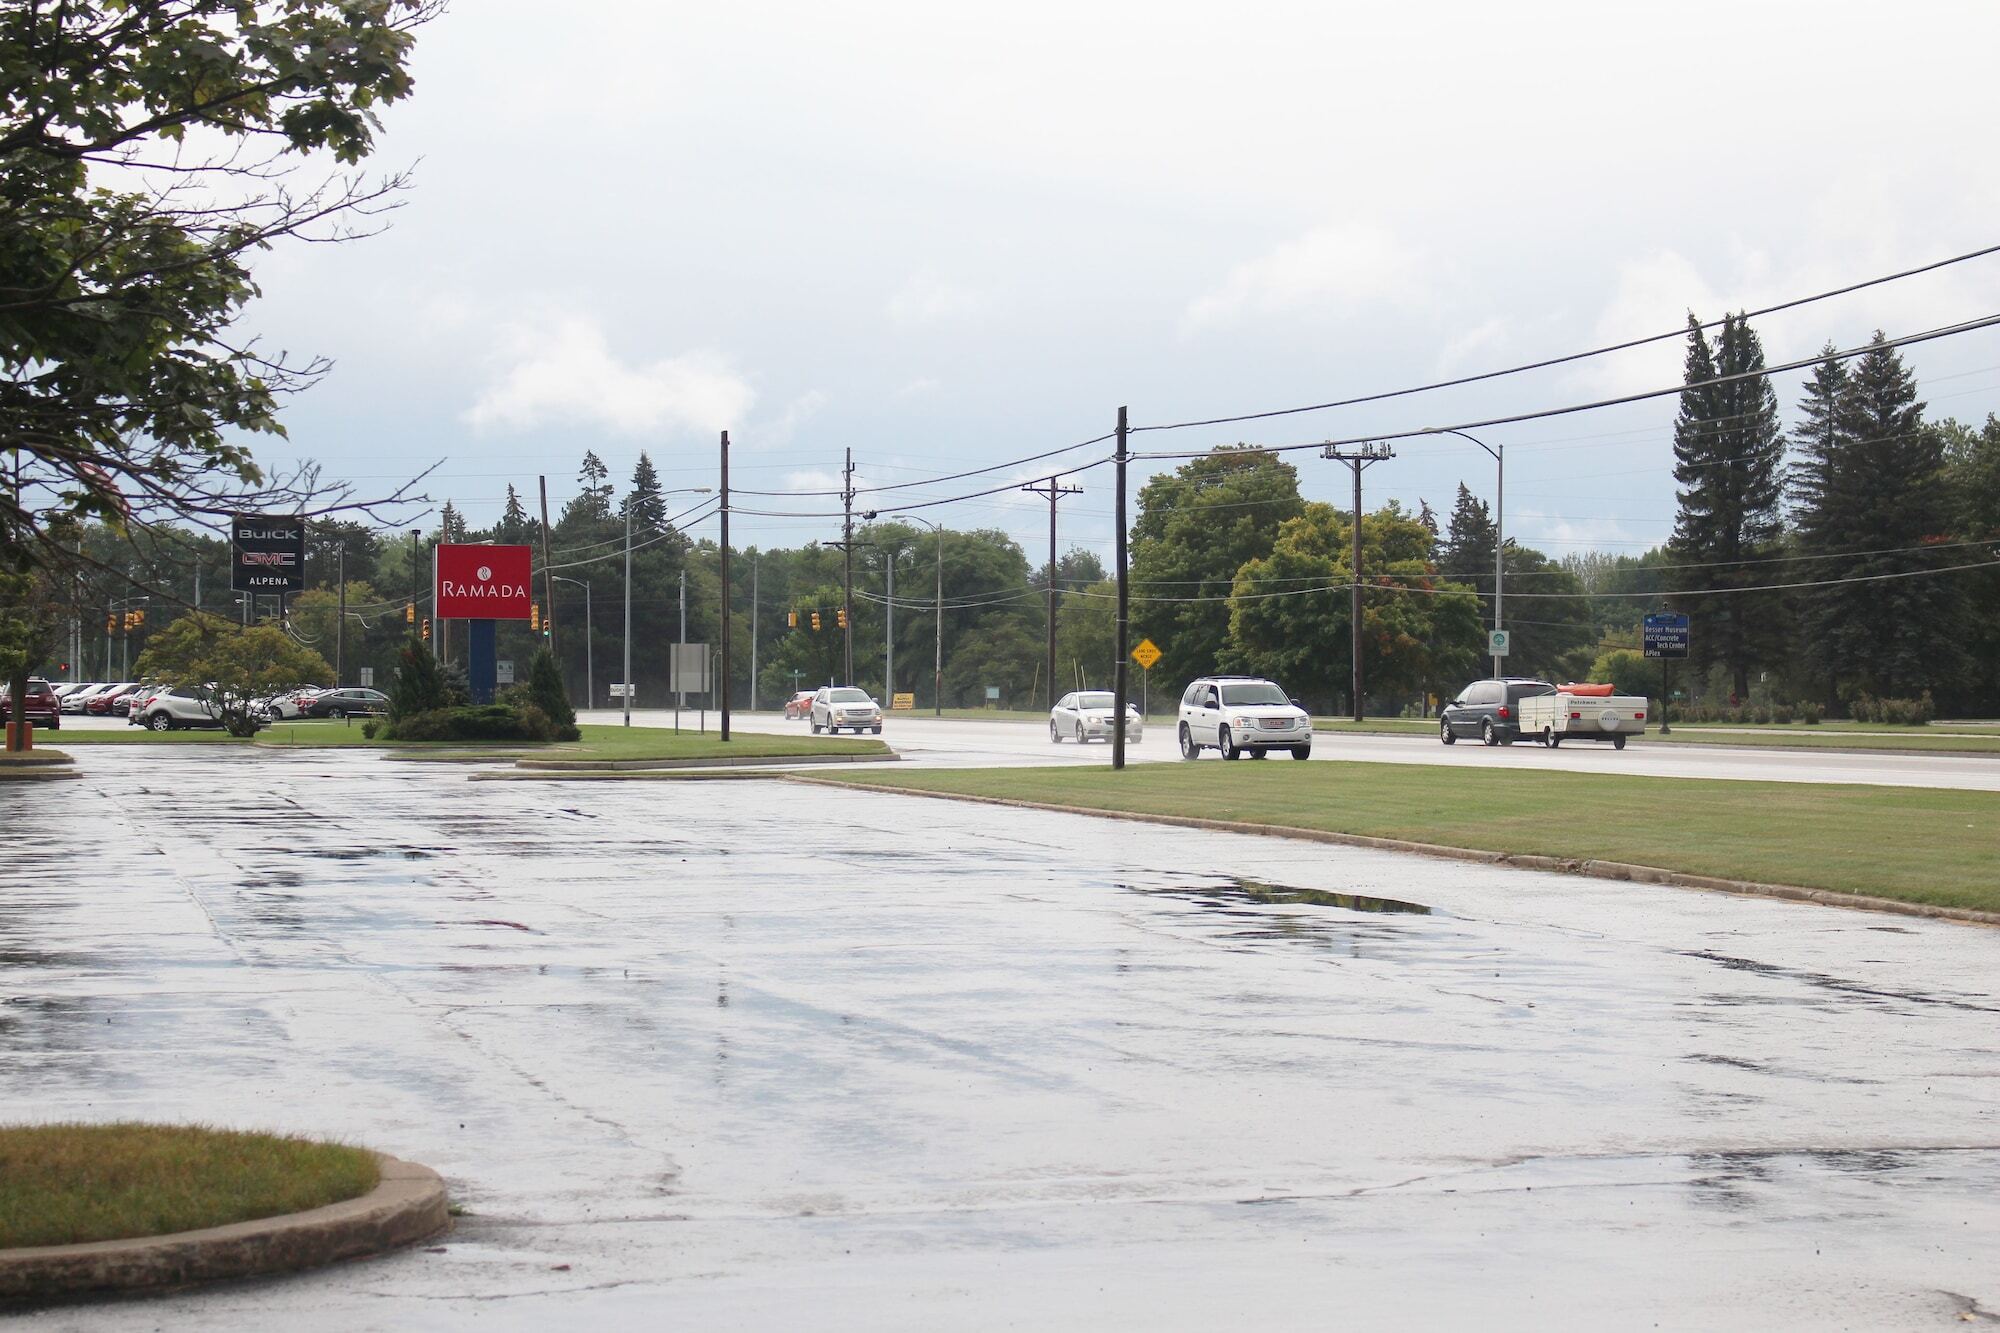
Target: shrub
x,y
545,691
1781,714
473,722
1812,712
419,686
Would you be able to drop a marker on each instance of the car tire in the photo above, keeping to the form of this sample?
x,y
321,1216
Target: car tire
x,y
1081,739
1189,750
160,722
1227,744
1445,733
1487,735
1617,742
1550,739
1302,752
815,727
337,714
1055,733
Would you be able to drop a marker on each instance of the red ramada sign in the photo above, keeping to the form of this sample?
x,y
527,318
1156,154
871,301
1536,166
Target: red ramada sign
x,y
482,582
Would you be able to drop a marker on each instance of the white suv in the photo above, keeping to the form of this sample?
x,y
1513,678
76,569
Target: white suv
x,y
1241,715
170,708
835,707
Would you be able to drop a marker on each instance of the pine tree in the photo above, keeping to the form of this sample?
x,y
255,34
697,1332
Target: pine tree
x,y
545,691
1825,521
1728,451
648,503
593,498
514,527
1428,517
1882,500
451,524
1466,555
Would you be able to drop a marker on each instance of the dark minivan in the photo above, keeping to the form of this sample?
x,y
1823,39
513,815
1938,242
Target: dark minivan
x,y
1490,710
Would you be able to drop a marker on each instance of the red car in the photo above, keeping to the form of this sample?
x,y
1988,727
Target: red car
x,y
39,707
99,705
799,706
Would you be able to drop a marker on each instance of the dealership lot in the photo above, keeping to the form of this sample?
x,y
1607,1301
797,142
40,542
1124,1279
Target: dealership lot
x,y
685,1059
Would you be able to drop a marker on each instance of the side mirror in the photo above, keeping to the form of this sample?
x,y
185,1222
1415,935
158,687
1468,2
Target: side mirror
x,y
1296,703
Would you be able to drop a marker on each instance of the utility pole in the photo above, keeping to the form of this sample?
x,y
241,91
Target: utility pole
x,y
1055,490
681,637
548,575
1118,693
1357,459
340,625
847,574
415,535
723,690
628,611
889,625
753,633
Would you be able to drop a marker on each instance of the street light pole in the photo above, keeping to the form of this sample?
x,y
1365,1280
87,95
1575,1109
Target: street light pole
x,y
589,671
937,649
1499,455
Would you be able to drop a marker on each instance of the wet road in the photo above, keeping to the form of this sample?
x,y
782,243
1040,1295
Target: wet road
x,y
750,1055
967,743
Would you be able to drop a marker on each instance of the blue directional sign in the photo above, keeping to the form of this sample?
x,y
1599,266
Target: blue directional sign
x,y
1666,636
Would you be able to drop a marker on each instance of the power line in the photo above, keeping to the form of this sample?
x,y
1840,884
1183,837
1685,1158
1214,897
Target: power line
x,y
929,481
1578,356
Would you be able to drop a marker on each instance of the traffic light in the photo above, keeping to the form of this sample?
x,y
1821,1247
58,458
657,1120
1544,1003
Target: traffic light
x,y
110,624
815,622
409,613
139,616
842,614
791,620
534,615
427,629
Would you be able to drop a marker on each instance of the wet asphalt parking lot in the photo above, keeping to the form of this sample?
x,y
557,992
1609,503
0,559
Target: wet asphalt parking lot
x,y
759,1055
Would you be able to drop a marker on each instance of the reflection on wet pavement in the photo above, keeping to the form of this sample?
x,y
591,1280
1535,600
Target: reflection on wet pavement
x,y
755,1055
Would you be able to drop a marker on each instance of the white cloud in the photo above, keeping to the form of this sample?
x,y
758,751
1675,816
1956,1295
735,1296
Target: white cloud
x,y
771,435
567,372
1465,344
1652,295
916,388
1343,265
926,301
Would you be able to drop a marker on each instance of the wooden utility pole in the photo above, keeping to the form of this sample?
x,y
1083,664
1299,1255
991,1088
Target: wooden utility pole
x,y
847,568
723,690
1357,459
1124,605
548,575
1055,490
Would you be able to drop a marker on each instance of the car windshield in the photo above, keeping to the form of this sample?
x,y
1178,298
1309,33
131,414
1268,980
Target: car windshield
x,y
1094,700
847,697
1255,692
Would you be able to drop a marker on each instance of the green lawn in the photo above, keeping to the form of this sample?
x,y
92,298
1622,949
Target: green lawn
x,y
1830,735
64,1184
600,741
1916,844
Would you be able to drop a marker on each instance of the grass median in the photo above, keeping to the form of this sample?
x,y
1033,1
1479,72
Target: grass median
x,y
1931,739
599,741
1920,845
65,1184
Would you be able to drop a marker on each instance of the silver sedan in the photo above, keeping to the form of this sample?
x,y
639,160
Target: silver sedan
x,y
1086,716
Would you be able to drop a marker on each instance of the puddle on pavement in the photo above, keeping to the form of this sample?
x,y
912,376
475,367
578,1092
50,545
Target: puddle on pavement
x,y
1234,888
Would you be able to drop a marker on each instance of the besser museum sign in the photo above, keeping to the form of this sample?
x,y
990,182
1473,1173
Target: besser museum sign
x,y
482,582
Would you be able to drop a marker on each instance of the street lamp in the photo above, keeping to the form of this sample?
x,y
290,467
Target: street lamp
x,y
1499,454
937,661
589,671
682,490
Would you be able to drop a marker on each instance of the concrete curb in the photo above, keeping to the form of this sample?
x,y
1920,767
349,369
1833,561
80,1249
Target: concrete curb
x,y
407,1205
628,775
38,766
1617,870
729,761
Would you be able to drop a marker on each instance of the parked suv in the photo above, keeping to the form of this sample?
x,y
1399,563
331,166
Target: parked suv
x,y
835,707
173,707
1489,709
39,707
1241,715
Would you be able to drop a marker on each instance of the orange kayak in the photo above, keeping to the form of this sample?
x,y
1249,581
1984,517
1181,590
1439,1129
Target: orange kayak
x,y
1588,691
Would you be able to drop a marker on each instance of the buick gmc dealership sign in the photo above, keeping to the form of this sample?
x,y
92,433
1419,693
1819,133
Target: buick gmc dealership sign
x,y
482,582
267,553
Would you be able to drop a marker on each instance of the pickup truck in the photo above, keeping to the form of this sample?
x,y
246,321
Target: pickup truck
x,y
1582,713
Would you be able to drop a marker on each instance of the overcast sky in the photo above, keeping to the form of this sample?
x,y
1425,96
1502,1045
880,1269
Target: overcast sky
x,y
947,235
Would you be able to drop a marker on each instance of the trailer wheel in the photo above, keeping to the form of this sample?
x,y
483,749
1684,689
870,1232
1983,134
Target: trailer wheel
x,y
1549,737
1617,742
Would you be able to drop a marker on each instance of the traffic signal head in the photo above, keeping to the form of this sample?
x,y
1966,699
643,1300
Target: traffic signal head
x,y
427,629
409,613
110,623
815,622
534,615
791,620
842,614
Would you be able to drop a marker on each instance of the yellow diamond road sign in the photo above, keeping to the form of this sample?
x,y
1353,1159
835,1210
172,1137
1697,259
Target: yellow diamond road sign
x,y
1146,653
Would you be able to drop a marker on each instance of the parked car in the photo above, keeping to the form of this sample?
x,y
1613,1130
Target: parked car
x,y
122,705
1241,715
291,703
74,701
174,707
346,702
838,707
39,707
799,706
1489,710
1086,716
99,704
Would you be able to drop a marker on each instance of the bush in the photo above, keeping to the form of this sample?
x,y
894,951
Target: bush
x,y
419,686
1895,712
1812,713
545,691
1781,714
473,722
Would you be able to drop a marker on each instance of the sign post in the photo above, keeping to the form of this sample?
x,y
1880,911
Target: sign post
x,y
1665,636
482,584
